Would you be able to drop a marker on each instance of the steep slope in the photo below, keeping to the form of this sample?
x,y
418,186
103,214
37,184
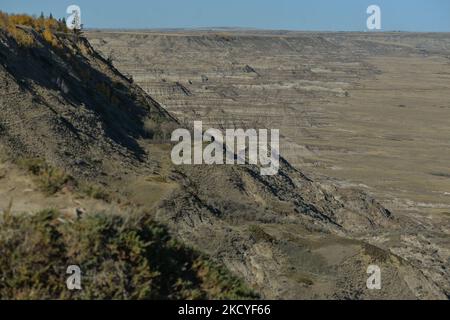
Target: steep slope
x,y
67,106
287,236
67,103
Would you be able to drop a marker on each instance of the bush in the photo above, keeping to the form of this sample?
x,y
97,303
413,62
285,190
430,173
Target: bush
x,y
120,257
32,257
50,38
49,179
95,192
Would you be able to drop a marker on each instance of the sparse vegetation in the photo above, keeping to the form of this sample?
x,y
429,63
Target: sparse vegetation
x,y
304,279
159,131
50,38
49,179
8,23
94,192
121,257
376,253
111,58
259,234
224,36
52,180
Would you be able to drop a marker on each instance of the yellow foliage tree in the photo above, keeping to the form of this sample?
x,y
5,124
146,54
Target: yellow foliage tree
x,y
49,37
9,25
22,19
46,26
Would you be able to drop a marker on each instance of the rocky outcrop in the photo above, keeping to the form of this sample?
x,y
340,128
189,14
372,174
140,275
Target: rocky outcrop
x,y
68,105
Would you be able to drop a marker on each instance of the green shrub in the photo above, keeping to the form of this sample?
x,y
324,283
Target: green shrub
x,y
95,192
121,257
32,257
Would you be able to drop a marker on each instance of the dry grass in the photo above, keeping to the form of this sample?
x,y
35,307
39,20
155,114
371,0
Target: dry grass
x,y
47,27
95,192
49,179
8,24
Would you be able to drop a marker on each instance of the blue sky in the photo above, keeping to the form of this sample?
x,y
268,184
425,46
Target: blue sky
x,y
332,15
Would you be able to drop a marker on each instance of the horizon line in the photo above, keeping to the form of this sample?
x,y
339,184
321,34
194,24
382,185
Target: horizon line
x,y
255,29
